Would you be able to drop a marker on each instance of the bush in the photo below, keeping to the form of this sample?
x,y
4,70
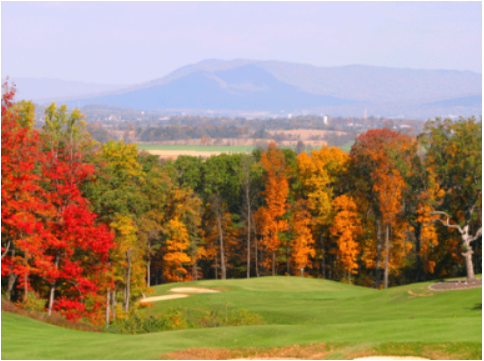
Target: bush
x,y
33,303
56,318
176,319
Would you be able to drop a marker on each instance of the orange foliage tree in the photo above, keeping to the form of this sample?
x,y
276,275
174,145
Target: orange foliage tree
x,y
302,244
175,251
275,193
346,229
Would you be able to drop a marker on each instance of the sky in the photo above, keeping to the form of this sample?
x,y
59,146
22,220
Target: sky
x,y
134,42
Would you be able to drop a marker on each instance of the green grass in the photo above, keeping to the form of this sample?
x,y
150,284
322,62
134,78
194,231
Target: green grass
x,y
296,310
347,146
198,148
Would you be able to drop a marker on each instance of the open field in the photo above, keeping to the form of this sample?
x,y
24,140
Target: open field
x,y
351,321
198,148
173,151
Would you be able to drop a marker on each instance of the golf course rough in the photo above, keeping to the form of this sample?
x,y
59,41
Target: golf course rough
x,y
296,310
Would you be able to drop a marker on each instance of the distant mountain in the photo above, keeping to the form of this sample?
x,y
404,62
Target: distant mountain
x,y
272,87
44,89
470,101
245,88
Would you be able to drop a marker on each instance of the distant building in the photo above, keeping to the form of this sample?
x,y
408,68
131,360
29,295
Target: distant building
x,y
325,120
289,116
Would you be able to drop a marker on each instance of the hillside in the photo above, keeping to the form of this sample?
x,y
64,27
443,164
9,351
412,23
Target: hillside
x,y
296,311
45,89
270,87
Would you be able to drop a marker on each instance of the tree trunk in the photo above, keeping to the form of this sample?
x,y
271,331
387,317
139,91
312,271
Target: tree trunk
x,y
148,266
128,281
11,278
216,266
330,271
52,290
288,263
108,301
469,266
323,258
387,255
256,251
274,263
419,266
248,234
162,274
222,251
26,287
378,253
113,302
11,282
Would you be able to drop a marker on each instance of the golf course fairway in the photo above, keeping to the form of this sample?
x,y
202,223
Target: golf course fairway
x,y
296,311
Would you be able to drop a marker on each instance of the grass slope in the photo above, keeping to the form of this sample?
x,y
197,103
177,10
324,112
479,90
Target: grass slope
x,y
297,311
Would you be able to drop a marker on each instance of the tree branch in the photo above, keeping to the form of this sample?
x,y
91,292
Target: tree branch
x,y
447,224
6,250
478,234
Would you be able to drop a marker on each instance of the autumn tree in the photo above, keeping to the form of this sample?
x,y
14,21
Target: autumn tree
x,y
23,198
322,177
302,243
378,160
250,177
116,196
221,186
346,229
275,193
73,229
454,152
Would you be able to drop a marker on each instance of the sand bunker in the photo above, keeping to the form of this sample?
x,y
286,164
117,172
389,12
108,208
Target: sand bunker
x,y
193,290
161,298
362,358
181,294
456,285
391,358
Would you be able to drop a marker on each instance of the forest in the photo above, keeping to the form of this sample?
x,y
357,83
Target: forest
x,y
88,228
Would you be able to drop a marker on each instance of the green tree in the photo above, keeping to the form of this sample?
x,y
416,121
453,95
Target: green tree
x,y
454,152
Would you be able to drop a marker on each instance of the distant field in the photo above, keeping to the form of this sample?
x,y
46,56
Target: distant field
x,y
199,148
174,151
347,146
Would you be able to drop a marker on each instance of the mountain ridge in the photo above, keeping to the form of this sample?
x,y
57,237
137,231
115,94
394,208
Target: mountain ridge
x,y
274,87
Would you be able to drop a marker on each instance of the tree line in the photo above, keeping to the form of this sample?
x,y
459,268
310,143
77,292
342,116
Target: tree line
x,y
89,228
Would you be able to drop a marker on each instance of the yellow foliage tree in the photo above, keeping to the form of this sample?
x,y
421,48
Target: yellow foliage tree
x,y
128,260
320,176
175,251
302,245
346,229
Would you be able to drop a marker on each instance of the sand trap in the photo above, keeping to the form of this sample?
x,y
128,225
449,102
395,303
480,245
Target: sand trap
x,y
161,298
391,358
193,290
362,358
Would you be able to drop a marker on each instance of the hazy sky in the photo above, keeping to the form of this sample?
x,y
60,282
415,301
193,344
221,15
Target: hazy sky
x,y
132,42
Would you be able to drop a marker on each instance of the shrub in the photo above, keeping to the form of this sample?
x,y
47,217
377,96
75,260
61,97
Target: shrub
x,y
177,319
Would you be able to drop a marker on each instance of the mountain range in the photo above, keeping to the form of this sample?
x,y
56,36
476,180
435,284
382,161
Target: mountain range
x,y
275,88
